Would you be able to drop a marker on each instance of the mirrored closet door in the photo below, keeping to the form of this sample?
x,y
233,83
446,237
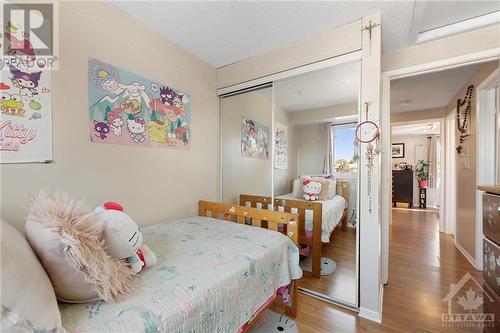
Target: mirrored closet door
x,y
315,175
246,143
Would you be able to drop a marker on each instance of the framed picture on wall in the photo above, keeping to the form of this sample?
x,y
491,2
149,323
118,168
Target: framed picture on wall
x,y
398,150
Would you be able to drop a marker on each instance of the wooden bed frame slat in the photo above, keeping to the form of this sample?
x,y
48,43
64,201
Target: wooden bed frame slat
x,y
273,218
257,222
288,205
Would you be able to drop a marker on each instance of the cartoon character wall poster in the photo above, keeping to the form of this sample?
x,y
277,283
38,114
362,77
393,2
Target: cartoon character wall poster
x,y
25,119
127,109
280,146
254,139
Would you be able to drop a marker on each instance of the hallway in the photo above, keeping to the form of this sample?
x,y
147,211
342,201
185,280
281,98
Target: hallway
x,y
423,263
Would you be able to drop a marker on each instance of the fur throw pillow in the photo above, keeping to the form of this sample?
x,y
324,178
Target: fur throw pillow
x,y
67,237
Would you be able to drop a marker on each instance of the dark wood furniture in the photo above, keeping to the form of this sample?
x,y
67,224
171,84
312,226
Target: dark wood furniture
x,y
402,187
491,251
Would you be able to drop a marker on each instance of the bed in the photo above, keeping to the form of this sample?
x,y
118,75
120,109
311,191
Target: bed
x,y
211,275
317,219
332,213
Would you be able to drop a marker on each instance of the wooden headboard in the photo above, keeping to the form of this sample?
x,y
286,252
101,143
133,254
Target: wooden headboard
x,y
342,188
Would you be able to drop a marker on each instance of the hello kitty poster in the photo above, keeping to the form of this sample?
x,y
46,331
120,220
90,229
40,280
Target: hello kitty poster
x,y
26,115
127,109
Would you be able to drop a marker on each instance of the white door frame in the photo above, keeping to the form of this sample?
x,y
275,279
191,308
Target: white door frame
x,y
450,203
434,66
486,110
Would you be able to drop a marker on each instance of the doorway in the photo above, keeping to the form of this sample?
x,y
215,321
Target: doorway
x,y
417,164
465,166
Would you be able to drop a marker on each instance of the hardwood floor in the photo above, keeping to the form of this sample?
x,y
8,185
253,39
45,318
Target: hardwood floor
x,y
423,263
341,283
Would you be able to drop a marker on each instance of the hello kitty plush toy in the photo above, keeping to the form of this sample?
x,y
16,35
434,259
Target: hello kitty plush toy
x,y
311,190
123,239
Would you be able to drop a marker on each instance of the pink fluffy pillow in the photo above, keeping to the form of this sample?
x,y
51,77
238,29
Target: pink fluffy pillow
x,y
67,238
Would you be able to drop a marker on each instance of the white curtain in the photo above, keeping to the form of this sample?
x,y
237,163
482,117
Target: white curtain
x,y
328,162
431,158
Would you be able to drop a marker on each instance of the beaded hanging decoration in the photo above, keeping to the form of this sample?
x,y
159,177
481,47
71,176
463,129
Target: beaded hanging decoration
x,y
463,124
367,132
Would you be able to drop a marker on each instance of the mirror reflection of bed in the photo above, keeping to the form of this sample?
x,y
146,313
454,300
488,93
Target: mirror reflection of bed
x,y
299,159
318,113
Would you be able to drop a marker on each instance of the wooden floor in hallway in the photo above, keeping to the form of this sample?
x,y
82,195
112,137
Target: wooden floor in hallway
x,y
423,263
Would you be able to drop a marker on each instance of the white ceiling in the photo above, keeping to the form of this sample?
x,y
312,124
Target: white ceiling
x,y
224,32
333,86
429,91
416,129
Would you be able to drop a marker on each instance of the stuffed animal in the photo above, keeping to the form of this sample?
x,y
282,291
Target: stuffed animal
x,y
311,190
123,238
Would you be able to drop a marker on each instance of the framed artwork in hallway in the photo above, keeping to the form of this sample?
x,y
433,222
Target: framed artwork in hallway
x,y
398,150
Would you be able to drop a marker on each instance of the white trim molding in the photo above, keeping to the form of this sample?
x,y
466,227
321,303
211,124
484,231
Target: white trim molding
x,y
466,254
486,150
369,178
306,69
459,27
370,315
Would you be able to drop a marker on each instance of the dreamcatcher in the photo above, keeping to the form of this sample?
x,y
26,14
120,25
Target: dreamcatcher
x,y
369,133
463,124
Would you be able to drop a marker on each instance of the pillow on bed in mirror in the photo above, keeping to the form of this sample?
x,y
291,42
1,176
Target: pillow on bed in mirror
x,y
333,189
333,186
28,300
326,187
297,191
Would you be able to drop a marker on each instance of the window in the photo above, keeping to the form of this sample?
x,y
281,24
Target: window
x,y
343,147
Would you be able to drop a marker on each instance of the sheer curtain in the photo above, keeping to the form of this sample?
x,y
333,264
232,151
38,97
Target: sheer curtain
x,y
328,162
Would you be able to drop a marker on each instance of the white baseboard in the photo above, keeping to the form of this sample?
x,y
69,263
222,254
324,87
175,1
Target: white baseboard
x,y
466,255
370,315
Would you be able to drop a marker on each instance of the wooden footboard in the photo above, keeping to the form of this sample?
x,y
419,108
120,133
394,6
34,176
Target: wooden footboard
x,y
259,218
300,207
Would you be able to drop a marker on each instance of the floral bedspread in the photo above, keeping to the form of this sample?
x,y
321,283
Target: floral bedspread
x,y
332,212
211,276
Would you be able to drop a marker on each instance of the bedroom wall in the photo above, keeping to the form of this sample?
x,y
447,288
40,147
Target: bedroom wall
x,y
327,113
311,148
283,178
418,115
466,178
242,174
153,184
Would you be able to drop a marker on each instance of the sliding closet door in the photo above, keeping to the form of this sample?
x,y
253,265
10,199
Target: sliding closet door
x,y
315,116
246,142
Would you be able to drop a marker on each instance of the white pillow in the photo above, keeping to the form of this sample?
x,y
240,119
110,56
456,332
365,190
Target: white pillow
x,y
297,190
333,189
28,300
